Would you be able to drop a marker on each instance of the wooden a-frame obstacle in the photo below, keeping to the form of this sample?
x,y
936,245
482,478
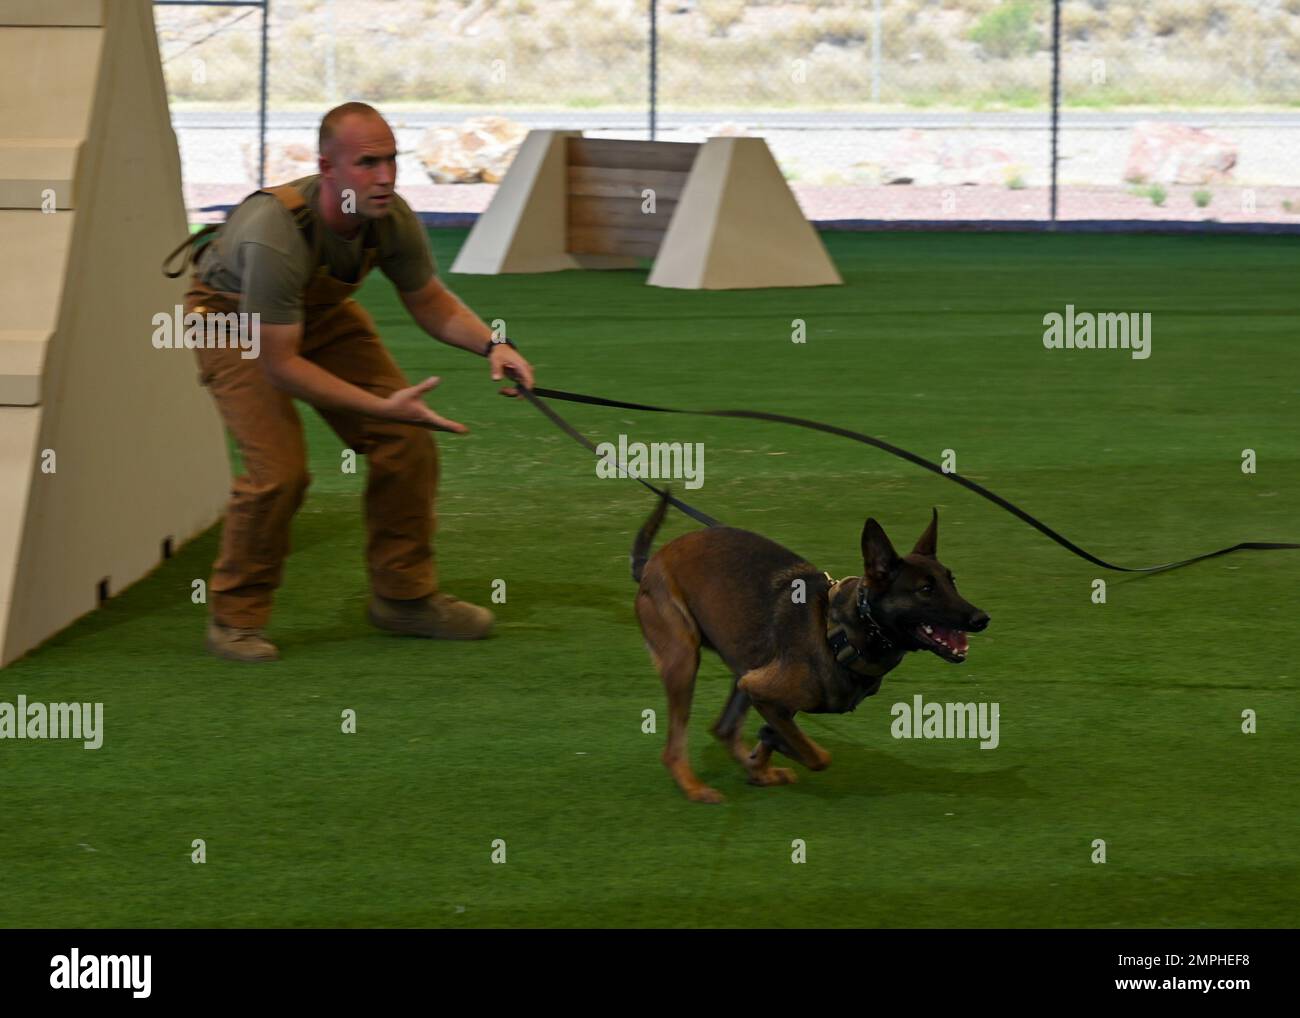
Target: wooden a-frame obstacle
x,y
111,454
716,216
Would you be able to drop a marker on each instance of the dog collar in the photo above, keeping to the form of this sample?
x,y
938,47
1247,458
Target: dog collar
x,y
837,636
875,633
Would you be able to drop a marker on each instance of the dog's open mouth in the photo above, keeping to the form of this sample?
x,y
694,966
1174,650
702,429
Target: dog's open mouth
x,y
949,644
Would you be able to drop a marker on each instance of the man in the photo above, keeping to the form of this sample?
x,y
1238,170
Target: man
x,y
294,255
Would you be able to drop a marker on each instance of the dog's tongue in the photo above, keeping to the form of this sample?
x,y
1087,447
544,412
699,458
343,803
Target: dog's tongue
x,y
954,639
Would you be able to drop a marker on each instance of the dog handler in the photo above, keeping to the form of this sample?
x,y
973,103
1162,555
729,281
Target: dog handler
x,y
295,255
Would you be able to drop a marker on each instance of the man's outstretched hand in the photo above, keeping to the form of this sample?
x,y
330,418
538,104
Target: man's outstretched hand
x,y
408,406
507,361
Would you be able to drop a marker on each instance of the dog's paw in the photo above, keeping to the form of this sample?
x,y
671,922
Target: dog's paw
x,y
705,794
772,776
821,761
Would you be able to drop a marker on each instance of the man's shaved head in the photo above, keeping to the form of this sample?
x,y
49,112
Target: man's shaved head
x,y
358,164
329,125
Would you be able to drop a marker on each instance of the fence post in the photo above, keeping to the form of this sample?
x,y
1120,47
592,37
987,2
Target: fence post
x,y
875,54
654,65
261,111
1056,96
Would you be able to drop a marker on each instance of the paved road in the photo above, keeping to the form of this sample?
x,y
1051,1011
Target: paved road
x,y
1035,120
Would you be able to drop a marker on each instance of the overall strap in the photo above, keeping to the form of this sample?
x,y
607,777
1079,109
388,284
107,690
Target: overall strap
x,y
288,196
303,217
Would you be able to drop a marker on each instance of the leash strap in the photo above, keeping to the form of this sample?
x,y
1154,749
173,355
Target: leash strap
x,y
581,439
830,429
191,248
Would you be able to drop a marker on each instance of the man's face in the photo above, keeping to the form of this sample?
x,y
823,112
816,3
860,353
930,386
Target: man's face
x,y
362,156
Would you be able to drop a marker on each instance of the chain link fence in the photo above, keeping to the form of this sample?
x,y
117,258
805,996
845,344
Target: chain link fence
x,y
1181,110
900,110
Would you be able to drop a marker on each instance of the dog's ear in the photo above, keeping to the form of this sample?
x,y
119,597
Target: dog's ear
x,y
928,542
879,560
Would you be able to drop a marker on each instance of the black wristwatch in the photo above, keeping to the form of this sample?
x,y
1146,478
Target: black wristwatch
x,y
498,341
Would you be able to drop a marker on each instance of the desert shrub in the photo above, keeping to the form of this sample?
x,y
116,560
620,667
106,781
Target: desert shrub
x,y
1080,20
1008,31
723,15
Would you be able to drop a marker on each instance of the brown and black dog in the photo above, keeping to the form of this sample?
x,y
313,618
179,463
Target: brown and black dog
x,y
794,639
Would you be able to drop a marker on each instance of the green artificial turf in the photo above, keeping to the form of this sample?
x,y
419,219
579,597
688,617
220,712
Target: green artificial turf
x,y
1118,721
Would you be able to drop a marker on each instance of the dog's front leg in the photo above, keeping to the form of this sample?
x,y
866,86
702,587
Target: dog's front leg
x,y
772,692
795,745
758,762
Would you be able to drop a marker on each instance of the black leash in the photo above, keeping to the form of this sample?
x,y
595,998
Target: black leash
x,y
756,415
579,437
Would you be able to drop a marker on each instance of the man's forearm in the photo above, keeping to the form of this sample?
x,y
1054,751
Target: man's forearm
x,y
313,384
445,317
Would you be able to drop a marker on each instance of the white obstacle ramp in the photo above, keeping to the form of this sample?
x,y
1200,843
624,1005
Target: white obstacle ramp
x,y
716,216
110,451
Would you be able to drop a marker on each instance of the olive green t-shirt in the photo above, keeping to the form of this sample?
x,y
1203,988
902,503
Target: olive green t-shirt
x,y
260,254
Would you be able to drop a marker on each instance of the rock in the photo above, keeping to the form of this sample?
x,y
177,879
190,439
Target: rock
x,y
867,172
983,165
285,161
1178,154
927,161
914,159
479,150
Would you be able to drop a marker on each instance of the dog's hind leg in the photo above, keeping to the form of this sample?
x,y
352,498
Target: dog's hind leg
x,y
729,728
674,642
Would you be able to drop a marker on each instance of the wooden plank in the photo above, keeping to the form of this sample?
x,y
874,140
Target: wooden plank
x,y
29,166
603,182
20,427
22,360
633,155
587,211
63,13
50,75
614,240
526,227
33,261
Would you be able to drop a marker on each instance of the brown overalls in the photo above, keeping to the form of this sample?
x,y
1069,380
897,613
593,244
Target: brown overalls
x,y
340,337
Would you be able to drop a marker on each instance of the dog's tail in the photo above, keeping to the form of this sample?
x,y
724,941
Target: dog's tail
x,y
645,537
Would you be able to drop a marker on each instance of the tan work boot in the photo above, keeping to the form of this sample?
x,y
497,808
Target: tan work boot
x,y
438,617
236,644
